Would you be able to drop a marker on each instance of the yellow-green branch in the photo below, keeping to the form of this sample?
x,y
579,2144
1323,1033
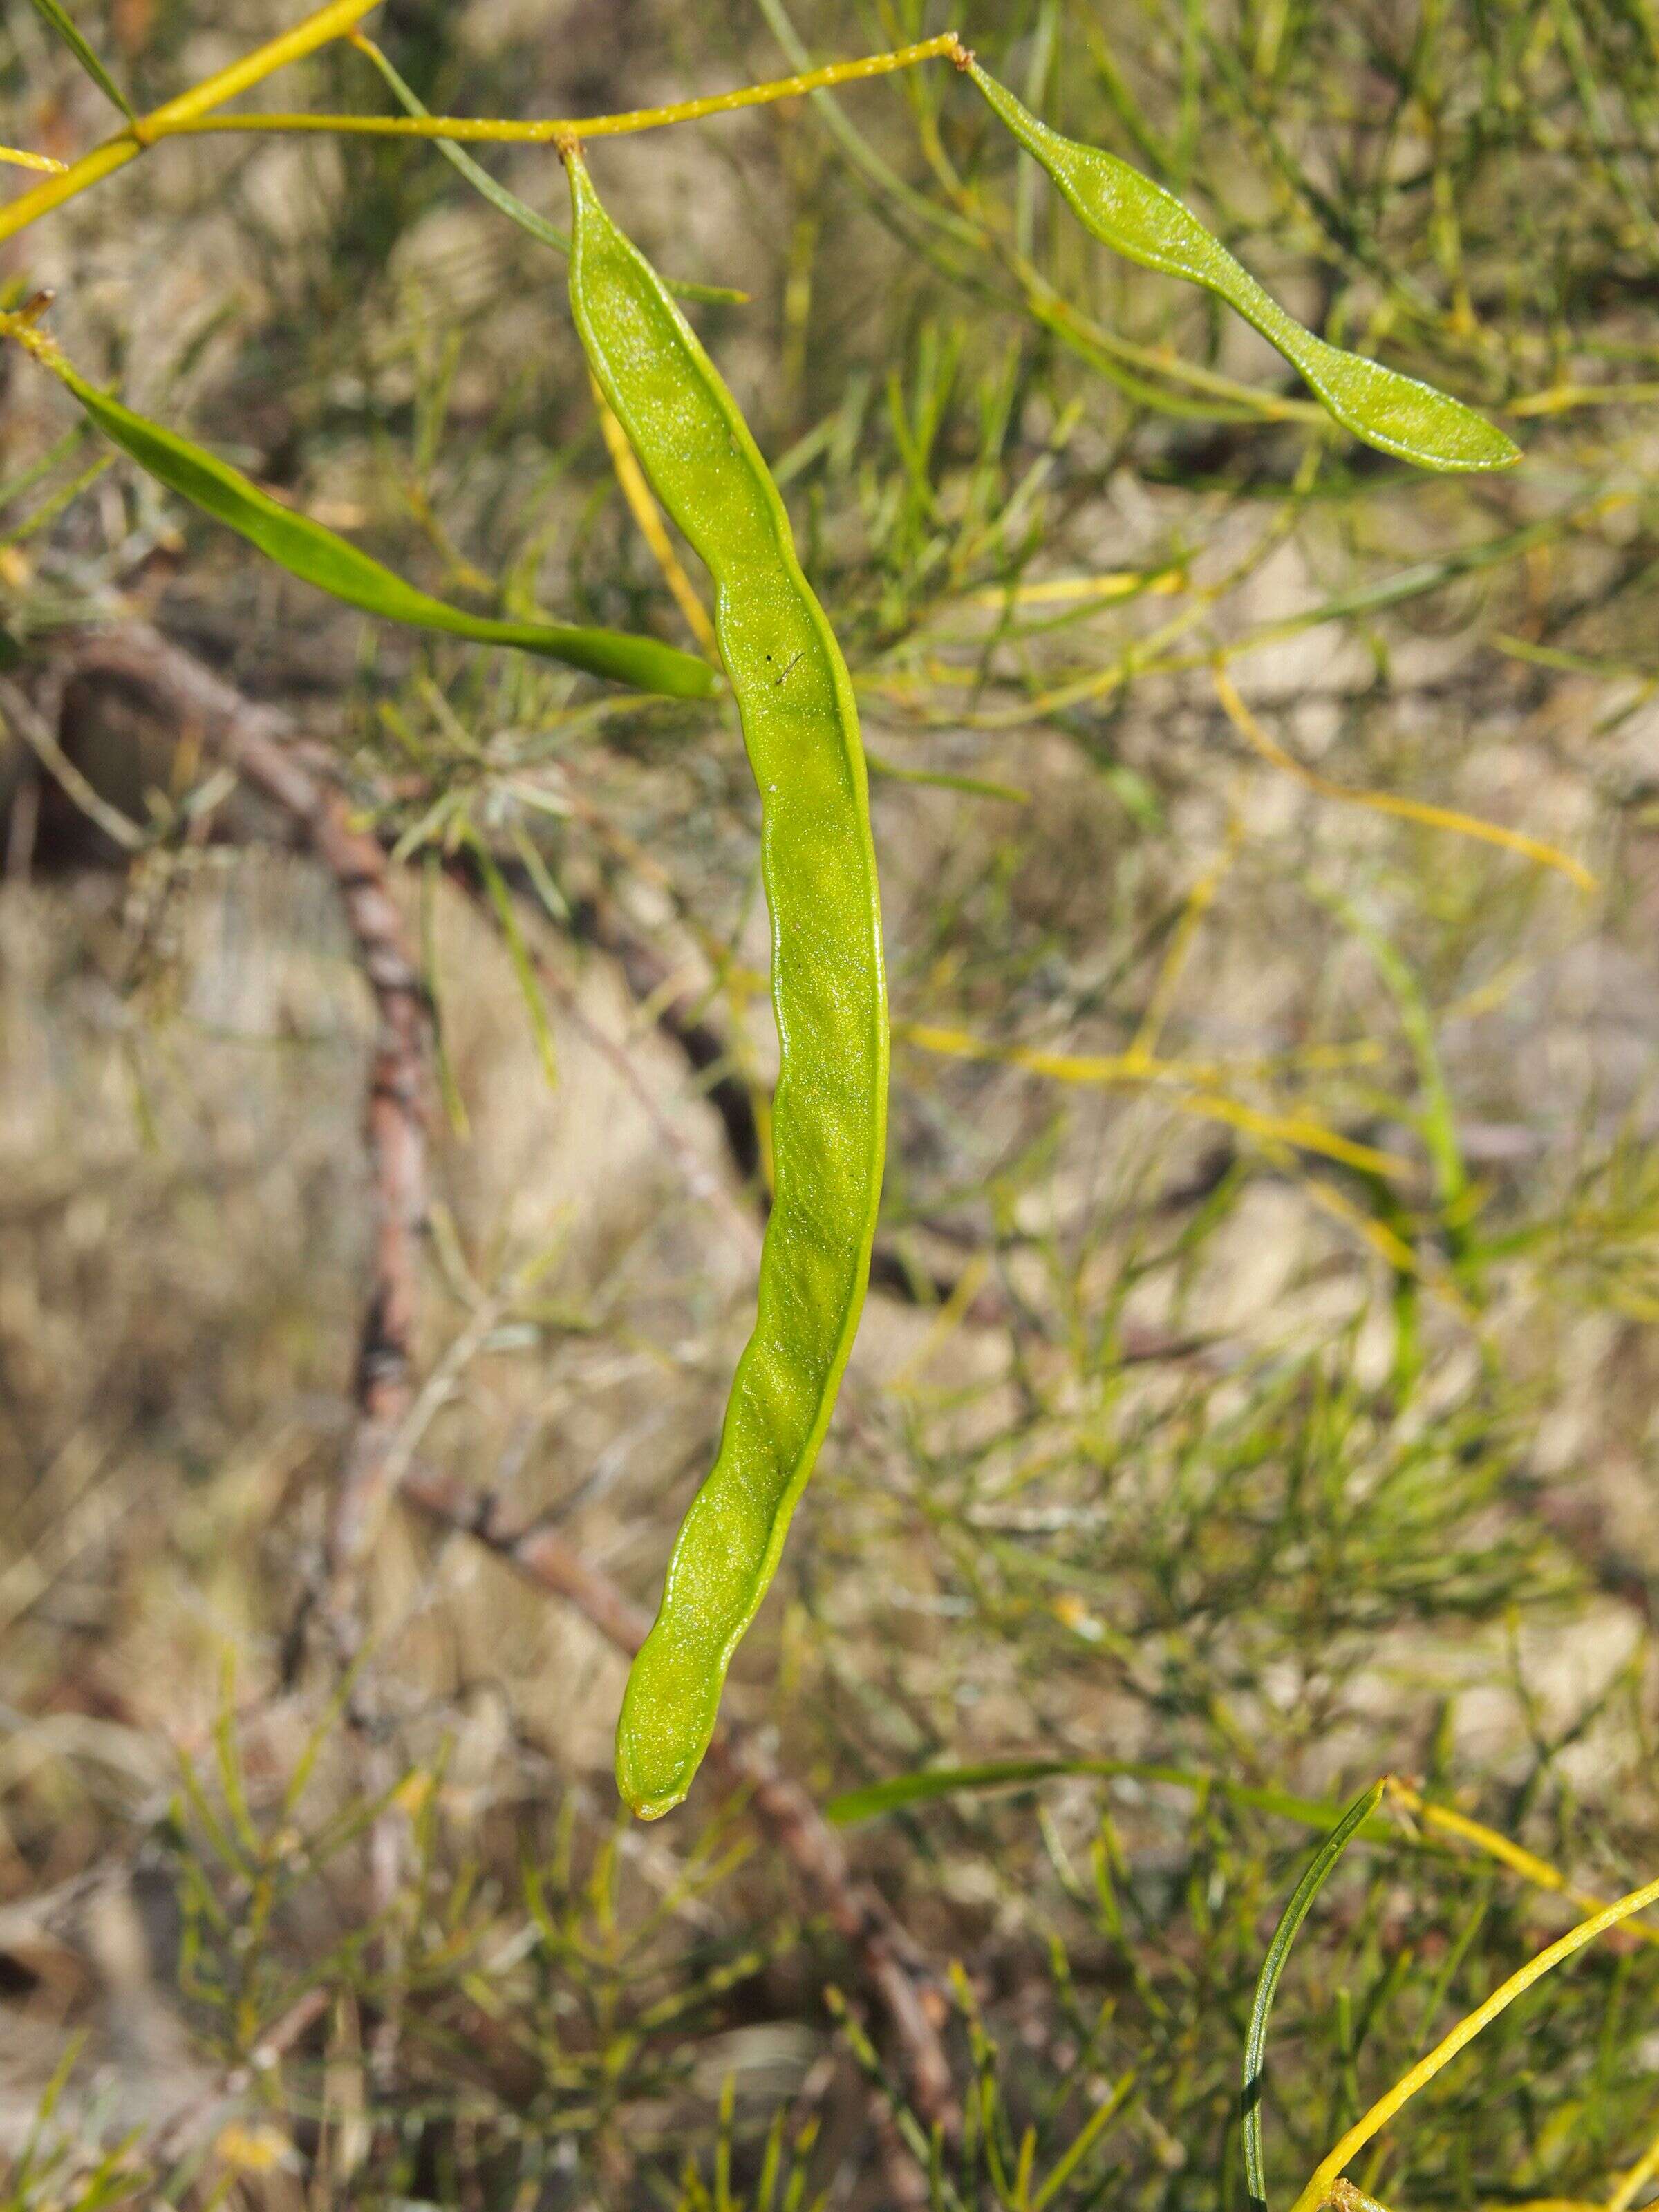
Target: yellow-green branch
x,y
328,23
192,114
569,130
1321,2187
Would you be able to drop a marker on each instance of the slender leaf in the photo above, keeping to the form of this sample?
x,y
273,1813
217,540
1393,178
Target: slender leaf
x,y
318,556
1319,1871
508,203
1083,2143
938,779
57,20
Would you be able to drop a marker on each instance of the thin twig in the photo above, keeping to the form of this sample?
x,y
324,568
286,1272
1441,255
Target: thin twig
x,y
185,2126
264,746
18,711
563,129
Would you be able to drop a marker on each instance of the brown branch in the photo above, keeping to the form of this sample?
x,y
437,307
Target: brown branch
x,y
264,746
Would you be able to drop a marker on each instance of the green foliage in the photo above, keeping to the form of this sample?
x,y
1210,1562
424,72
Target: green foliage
x,y
63,26
1318,1872
319,556
1137,217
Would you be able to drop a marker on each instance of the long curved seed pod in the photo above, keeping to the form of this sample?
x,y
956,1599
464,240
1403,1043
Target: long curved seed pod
x,y
1139,220
828,991
318,556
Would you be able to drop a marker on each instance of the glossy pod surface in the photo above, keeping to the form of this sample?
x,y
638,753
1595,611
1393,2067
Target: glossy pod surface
x,y
1139,220
800,727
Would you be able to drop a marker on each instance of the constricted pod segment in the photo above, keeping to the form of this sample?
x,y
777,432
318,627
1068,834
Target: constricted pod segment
x,y
1139,220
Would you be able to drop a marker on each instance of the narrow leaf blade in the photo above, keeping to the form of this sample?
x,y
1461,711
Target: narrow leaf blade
x,y
1319,1870
508,203
1139,219
318,556
57,20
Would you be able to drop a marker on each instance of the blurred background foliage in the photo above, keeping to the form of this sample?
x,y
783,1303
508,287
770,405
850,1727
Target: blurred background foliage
x,y
1260,1378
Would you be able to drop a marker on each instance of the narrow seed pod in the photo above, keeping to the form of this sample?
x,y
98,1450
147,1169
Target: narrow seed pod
x,y
828,992
1139,220
333,564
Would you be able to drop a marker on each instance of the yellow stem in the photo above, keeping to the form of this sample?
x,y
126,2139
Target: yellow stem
x,y
1636,2180
329,22
1383,1240
1322,2182
1514,1856
1388,802
570,130
1109,1068
1110,583
114,154
648,515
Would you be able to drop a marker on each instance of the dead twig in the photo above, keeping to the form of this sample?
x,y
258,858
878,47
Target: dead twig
x,y
262,745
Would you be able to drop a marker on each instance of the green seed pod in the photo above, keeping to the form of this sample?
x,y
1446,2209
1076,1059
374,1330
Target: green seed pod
x,y
800,726
1139,219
